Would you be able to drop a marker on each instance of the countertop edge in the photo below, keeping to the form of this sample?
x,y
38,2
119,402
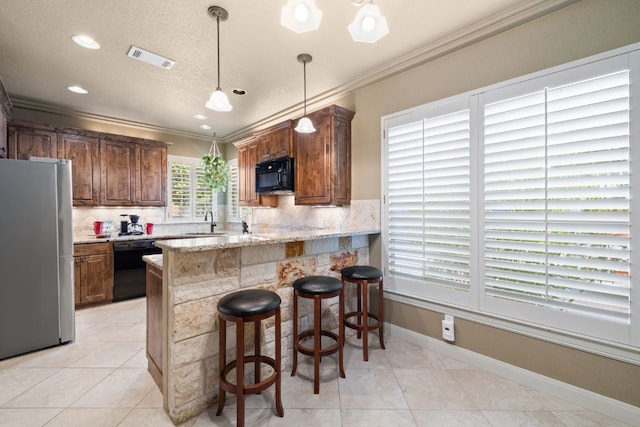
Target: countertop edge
x,y
258,239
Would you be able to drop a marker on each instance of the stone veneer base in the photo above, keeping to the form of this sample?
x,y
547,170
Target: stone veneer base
x,y
195,279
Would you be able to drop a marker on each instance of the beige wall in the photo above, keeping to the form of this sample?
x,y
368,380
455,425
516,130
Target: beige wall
x,y
580,30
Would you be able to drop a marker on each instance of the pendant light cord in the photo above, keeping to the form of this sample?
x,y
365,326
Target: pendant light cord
x,y
218,32
304,73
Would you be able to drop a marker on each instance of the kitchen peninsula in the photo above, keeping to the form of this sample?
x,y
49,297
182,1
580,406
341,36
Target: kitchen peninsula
x,y
197,272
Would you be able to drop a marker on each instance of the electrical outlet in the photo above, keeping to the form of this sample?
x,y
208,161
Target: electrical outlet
x,y
448,332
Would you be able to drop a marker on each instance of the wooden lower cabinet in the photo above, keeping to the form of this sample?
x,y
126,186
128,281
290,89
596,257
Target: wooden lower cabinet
x,y
154,323
93,270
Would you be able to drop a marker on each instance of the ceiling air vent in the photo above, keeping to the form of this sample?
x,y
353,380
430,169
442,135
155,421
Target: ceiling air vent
x,y
150,58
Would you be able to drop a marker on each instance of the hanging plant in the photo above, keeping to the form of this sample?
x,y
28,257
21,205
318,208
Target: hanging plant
x,y
216,170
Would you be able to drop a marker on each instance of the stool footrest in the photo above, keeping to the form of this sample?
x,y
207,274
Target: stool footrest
x,y
249,388
323,351
358,326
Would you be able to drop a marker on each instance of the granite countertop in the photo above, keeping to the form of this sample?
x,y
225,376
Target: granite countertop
x,y
200,243
90,238
154,260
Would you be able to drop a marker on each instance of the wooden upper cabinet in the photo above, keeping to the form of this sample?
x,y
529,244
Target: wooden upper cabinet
x,y
24,142
248,156
323,159
151,175
275,142
118,173
84,153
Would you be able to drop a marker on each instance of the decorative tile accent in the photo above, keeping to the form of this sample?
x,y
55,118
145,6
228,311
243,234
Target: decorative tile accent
x,y
294,249
345,242
290,271
345,259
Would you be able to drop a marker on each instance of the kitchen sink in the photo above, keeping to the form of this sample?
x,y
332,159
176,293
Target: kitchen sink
x,y
207,234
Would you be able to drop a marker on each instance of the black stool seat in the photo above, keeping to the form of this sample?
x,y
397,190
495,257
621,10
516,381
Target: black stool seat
x,y
361,272
249,302
317,285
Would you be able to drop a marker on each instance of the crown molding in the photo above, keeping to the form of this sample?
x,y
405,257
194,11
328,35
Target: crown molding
x,y
35,105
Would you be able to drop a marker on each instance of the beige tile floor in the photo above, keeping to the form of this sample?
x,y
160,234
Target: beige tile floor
x,y
101,380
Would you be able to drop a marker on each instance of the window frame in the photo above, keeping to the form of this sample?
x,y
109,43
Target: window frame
x,y
475,304
193,163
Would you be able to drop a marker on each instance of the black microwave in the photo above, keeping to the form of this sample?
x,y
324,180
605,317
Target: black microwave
x,y
275,176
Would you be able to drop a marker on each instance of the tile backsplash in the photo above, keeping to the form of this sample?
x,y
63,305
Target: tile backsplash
x,y
361,214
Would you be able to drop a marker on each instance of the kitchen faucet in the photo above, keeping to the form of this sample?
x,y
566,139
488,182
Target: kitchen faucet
x,y
206,218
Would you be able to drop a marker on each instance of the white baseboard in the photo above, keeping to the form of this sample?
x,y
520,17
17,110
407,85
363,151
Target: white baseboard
x,y
613,408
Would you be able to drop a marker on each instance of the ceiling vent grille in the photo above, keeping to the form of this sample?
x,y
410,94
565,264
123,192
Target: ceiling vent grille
x,y
150,58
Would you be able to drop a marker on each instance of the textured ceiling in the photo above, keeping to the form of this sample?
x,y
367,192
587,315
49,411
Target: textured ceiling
x,y
38,60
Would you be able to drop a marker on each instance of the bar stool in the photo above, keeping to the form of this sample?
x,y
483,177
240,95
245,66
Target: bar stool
x,y
363,276
317,288
251,305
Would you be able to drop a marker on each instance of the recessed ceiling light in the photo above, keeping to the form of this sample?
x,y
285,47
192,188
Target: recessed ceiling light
x,y
86,41
239,91
78,89
205,127
200,117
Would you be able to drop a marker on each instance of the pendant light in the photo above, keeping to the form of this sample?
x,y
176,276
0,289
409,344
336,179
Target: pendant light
x,y
218,100
301,16
369,25
304,124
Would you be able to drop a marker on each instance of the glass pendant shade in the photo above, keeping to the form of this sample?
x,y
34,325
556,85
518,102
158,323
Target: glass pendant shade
x,y
369,25
301,16
218,101
305,126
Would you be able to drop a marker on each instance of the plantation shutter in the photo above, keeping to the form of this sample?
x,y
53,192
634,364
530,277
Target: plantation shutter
x,y
179,189
233,210
428,199
203,195
557,195
189,199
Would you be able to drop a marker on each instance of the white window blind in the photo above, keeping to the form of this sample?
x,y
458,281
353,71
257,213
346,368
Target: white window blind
x,y
233,209
428,193
556,197
189,199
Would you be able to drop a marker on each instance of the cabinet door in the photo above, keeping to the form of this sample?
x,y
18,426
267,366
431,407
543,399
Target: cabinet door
x,y
275,142
152,176
314,157
117,173
248,156
84,153
24,143
98,274
341,130
154,323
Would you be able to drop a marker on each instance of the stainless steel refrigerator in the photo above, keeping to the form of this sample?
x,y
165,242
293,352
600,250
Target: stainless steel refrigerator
x,y
36,255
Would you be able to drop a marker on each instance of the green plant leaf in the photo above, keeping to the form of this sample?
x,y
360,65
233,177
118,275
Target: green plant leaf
x,y
216,172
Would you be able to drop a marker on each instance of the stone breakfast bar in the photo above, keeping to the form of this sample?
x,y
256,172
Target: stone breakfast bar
x,y
197,272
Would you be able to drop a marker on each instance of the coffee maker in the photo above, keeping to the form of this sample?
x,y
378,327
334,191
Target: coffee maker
x,y
135,227
130,228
